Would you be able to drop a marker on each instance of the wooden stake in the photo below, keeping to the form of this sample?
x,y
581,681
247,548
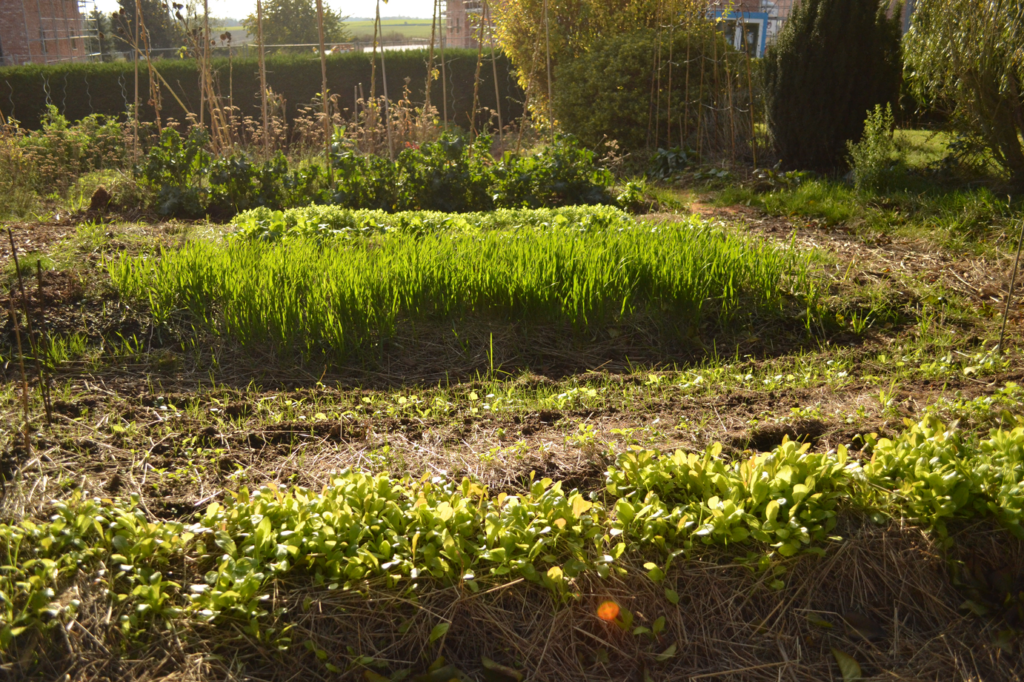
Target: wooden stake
x,y
686,95
1009,294
24,377
700,106
750,93
135,52
384,79
430,58
323,93
476,77
444,74
668,125
263,79
547,49
494,68
45,336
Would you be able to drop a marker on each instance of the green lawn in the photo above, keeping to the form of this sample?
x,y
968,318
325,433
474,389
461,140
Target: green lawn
x,y
410,28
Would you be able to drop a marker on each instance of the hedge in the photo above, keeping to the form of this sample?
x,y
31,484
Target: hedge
x,y
78,90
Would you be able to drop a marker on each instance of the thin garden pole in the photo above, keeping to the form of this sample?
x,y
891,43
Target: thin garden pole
x,y
476,77
154,84
732,109
444,73
374,104
263,79
135,52
547,49
24,376
686,97
700,107
668,126
323,93
750,95
205,71
718,88
430,57
384,80
494,68
657,94
1009,294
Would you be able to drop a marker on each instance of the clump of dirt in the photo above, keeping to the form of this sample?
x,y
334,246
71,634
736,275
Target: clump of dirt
x,y
767,436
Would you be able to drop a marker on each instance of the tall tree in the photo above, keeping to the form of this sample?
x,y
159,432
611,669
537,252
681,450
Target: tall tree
x,y
158,19
292,22
968,57
833,61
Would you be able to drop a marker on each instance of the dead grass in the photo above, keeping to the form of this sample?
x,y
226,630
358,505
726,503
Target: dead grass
x,y
883,596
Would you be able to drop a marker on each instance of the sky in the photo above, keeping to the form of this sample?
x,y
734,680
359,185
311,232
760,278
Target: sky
x,y
239,9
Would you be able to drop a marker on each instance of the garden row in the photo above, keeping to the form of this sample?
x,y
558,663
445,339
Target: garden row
x,y
342,281
449,174
654,506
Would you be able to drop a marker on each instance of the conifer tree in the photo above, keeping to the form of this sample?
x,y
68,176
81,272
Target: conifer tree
x,y
833,61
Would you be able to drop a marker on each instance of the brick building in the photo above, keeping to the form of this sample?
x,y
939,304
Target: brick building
x,y
462,22
41,32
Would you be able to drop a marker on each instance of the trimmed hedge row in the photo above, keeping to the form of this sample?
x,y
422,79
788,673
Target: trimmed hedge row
x,y
78,90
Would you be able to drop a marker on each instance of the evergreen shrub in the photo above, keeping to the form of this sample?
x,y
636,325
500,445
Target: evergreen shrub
x,y
834,60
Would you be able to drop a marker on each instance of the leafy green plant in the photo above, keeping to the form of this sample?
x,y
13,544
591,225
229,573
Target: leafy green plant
x,y
668,162
563,173
364,527
451,174
877,159
176,169
774,179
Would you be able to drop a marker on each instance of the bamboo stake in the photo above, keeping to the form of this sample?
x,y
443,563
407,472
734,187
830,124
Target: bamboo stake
x,y
750,94
24,377
430,57
476,77
323,93
547,49
374,104
263,79
45,333
444,75
494,68
732,109
686,99
716,101
231,88
668,125
384,79
135,53
154,84
700,107
657,88
200,59
1009,294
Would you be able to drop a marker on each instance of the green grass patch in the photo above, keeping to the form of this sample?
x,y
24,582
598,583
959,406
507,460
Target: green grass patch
x,y
410,28
343,293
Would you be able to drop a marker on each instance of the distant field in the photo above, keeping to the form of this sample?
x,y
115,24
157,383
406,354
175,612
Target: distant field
x,y
411,28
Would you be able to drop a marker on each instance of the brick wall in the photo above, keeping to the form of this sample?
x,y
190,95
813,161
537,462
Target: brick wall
x,y
41,32
462,20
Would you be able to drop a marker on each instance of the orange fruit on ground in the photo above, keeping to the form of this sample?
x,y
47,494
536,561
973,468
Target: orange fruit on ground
x,y
608,611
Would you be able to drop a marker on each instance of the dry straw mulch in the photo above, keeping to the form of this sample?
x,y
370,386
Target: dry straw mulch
x,y
884,596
